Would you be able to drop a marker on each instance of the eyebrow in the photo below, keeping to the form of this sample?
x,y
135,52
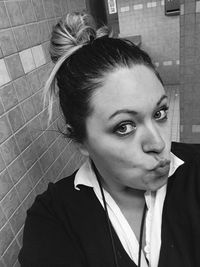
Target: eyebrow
x,y
132,112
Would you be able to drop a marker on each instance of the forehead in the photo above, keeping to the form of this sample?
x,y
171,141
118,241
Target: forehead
x,y
135,88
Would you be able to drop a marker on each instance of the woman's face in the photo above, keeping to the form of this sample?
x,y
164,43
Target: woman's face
x,y
128,133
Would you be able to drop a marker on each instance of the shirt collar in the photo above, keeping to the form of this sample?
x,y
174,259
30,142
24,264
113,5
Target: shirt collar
x,y
86,176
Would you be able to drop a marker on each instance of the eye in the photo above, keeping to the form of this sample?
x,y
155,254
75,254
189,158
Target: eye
x,y
125,128
161,114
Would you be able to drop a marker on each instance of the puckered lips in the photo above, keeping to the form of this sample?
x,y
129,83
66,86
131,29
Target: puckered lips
x,y
162,167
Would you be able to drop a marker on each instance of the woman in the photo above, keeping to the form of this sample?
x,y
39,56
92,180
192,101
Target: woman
x,y
133,202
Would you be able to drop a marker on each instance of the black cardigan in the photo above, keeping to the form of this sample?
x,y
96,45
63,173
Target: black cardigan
x,y
67,227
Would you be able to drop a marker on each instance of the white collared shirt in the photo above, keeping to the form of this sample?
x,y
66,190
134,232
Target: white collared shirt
x,y
154,201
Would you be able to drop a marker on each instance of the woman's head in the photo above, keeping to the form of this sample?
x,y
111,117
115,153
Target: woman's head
x,y
83,56
114,102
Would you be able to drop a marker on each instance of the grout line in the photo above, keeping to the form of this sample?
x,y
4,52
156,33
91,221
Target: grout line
x,y
24,100
14,185
26,122
20,154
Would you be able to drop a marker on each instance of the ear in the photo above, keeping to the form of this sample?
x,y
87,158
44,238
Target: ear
x,y
83,150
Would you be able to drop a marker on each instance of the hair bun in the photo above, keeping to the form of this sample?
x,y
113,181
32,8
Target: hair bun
x,y
74,30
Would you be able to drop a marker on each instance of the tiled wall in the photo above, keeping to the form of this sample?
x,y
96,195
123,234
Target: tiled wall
x,y
159,33
31,153
190,70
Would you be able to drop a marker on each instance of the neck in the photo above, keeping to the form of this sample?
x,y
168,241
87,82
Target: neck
x,y
127,198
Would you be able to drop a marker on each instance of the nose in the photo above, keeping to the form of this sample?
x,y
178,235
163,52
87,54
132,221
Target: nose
x,y
153,141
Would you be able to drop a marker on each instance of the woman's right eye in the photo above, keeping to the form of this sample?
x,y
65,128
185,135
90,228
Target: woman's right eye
x,y
125,128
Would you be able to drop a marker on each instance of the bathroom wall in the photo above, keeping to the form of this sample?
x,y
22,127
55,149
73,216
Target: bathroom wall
x,y
160,34
190,71
32,153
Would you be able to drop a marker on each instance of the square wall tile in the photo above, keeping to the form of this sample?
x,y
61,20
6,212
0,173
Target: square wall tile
x,y
39,9
197,6
2,166
196,128
33,34
35,128
28,109
76,5
4,20
48,7
54,149
4,76
16,169
51,135
27,60
24,187
9,150
7,42
44,119
21,37
38,55
51,23
28,201
16,118
27,11
35,173
22,88
6,237
40,145
8,96
190,19
14,12
17,219
52,173
5,183
23,138
5,130
2,218
10,203
11,254
189,8
41,186
33,81
43,73
182,7
64,6
29,156
44,33
57,8
45,47
14,66
46,160
1,106
38,101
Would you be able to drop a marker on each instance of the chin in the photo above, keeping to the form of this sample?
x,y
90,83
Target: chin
x,y
158,184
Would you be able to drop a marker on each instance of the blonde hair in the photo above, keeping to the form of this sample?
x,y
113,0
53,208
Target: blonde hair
x,y
71,33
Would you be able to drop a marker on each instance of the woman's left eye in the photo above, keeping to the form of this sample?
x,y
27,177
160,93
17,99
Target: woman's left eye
x,y
125,128
161,114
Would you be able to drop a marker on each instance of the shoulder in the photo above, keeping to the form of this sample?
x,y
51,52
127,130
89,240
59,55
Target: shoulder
x,y
64,186
187,177
186,152
48,237
61,198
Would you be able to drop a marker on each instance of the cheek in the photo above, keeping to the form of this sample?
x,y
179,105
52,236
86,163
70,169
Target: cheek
x,y
111,153
167,131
